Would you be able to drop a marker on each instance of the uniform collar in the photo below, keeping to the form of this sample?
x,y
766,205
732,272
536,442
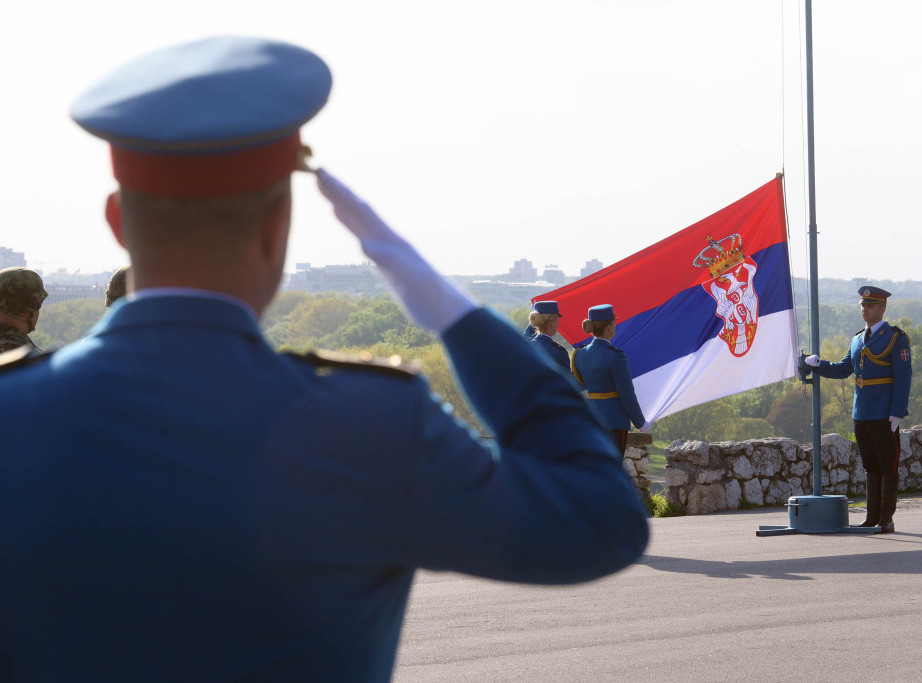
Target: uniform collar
x,y
876,326
189,309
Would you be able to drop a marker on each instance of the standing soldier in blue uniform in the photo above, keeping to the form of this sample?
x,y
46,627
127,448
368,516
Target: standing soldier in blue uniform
x,y
180,502
881,361
603,369
544,319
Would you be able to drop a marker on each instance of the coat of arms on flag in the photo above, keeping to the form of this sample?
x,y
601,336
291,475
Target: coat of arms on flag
x,y
733,289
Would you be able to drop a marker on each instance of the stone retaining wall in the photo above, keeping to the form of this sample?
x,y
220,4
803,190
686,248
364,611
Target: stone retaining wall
x,y
637,464
706,477
636,461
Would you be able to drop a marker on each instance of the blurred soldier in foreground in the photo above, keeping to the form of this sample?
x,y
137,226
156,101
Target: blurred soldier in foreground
x,y
880,359
118,285
21,295
237,514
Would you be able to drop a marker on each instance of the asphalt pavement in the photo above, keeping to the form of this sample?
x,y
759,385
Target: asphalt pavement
x,y
709,601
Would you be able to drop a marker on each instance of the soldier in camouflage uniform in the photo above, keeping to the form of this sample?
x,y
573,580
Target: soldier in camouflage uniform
x,y
118,285
21,295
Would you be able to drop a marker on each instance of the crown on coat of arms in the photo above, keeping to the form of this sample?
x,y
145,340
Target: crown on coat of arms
x,y
719,256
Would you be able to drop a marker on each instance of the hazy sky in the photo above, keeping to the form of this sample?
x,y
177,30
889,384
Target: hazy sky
x,y
491,130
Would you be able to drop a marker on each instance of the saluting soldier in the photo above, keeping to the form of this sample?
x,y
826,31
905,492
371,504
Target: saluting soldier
x,y
604,370
21,295
545,318
237,513
881,360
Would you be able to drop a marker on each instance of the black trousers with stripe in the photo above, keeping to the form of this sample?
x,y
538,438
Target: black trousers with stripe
x,y
878,446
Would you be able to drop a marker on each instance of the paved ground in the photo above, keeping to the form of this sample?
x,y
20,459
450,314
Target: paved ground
x,y
709,601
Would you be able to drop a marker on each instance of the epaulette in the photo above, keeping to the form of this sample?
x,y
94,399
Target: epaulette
x,y
902,332
327,361
22,357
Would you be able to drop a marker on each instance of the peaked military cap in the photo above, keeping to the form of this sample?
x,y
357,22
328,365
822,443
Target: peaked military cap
x,y
872,295
602,312
207,118
547,307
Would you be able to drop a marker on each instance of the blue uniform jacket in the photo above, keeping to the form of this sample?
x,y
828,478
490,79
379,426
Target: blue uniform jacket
x,y
180,502
556,351
883,373
603,368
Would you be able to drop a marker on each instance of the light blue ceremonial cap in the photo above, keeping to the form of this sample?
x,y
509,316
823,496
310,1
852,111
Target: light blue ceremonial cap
x,y
602,312
209,117
547,307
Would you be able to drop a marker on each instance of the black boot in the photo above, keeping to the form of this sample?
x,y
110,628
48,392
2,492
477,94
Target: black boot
x,y
873,501
891,482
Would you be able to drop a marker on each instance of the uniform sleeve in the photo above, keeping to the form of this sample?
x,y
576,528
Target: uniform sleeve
x,y
562,358
901,357
624,384
839,370
548,502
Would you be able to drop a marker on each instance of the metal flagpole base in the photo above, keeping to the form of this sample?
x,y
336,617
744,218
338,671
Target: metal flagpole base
x,y
816,515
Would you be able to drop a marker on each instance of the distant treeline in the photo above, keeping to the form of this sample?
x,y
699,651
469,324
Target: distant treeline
x,y
299,321
833,291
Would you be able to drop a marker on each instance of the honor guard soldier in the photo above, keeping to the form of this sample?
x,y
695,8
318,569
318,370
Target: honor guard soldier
x,y
181,502
881,360
603,369
544,319
21,295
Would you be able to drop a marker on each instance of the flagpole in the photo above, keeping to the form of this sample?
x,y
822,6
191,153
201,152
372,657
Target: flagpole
x,y
814,280
816,514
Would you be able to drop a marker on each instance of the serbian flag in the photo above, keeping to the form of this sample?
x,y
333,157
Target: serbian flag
x,y
703,314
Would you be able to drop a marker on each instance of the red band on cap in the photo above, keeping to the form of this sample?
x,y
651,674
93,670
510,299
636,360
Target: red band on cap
x,y
206,175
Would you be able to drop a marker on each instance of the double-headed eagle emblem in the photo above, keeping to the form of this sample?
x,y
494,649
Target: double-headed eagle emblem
x,y
732,288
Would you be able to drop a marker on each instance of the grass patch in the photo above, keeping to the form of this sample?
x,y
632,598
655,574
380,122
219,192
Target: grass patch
x,y
660,507
657,453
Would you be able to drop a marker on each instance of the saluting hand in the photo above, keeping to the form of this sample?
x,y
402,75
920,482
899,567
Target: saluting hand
x,y
431,300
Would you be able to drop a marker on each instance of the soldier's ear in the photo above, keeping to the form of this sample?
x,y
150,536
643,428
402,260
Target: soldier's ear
x,y
114,216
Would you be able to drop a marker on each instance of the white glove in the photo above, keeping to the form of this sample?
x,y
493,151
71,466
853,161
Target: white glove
x,y
646,428
431,300
812,361
894,423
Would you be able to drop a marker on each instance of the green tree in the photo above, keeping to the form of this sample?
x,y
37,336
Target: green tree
x,y
368,325
61,323
312,318
282,306
792,414
711,421
755,403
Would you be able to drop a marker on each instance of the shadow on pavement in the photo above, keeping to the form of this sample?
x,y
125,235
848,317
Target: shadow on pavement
x,y
796,569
